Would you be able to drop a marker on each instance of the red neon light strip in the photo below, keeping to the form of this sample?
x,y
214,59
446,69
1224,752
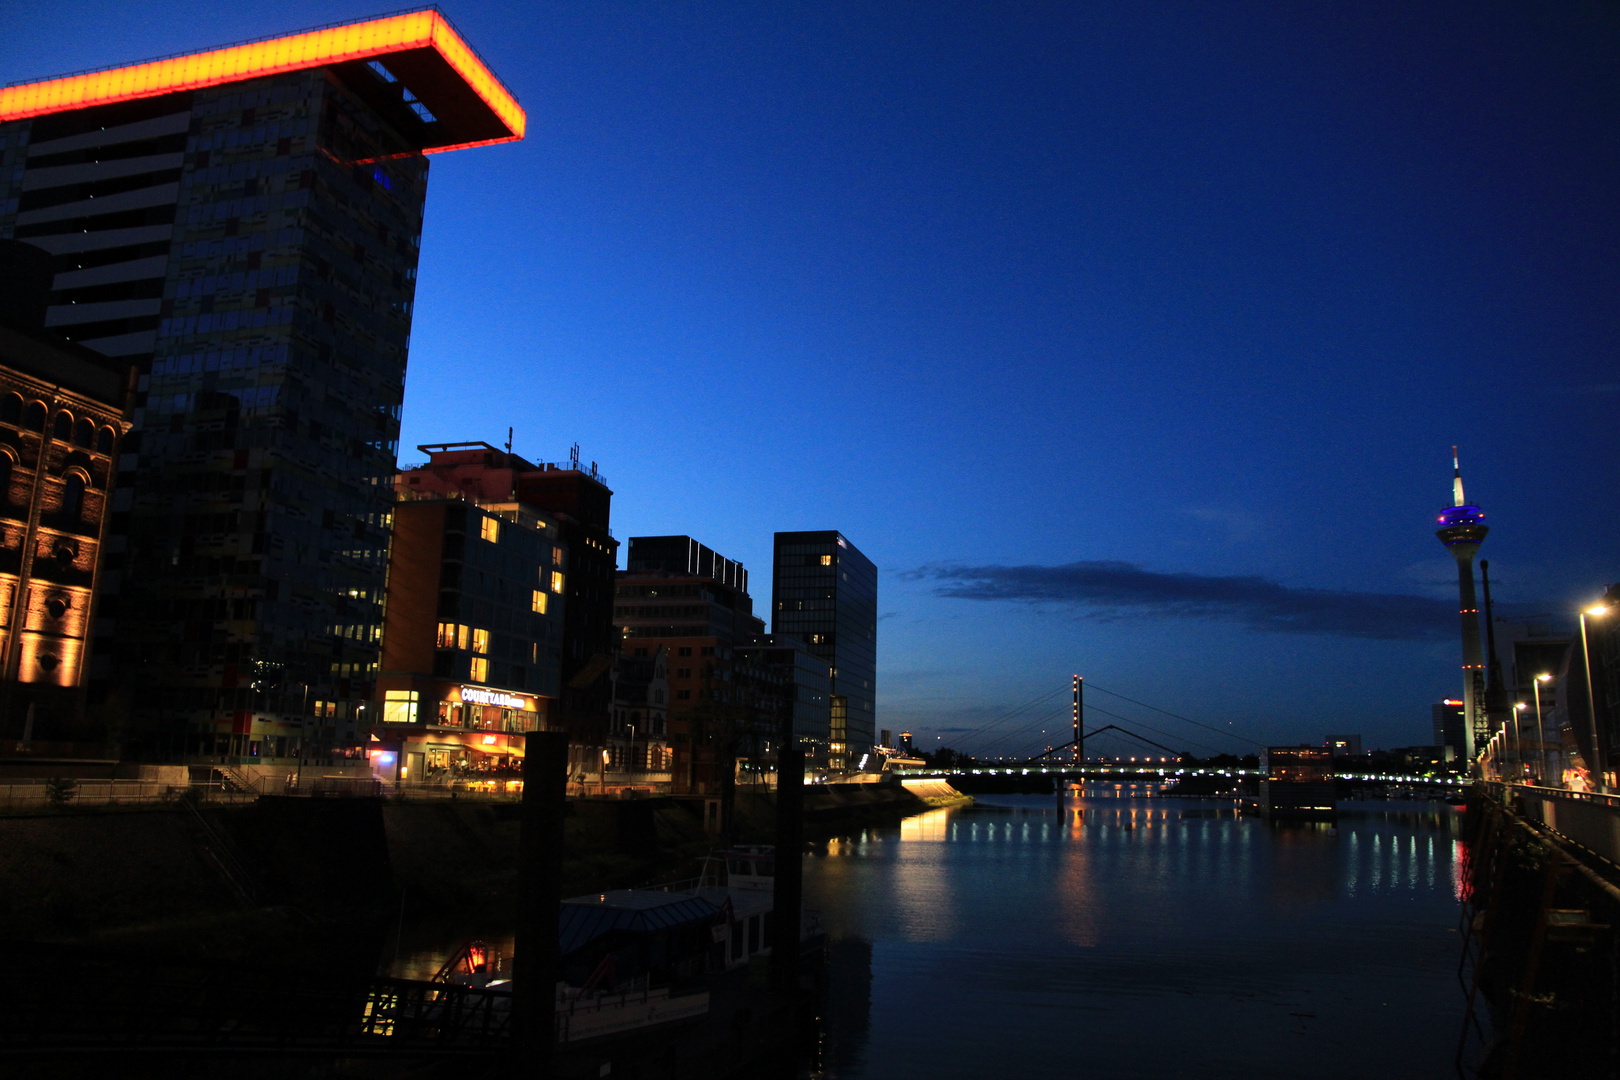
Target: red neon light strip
x,y
297,52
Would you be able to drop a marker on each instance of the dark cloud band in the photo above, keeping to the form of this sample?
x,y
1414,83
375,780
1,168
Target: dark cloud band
x,y
1114,589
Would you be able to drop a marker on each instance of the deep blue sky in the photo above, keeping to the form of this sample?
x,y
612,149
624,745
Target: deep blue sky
x,y
1190,300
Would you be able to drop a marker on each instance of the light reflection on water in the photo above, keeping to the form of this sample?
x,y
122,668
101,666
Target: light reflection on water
x,y
1032,935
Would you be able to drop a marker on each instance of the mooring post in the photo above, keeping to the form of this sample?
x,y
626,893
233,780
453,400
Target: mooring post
x,y
789,883
728,795
536,965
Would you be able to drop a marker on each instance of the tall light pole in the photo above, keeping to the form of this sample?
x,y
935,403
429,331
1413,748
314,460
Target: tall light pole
x,y
1541,739
1518,738
1597,761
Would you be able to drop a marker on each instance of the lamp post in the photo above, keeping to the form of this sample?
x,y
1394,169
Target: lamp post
x,y
1597,763
1518,738
303,739
1541,738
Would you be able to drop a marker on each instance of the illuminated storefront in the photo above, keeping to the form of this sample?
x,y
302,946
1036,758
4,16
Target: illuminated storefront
x,y
470,642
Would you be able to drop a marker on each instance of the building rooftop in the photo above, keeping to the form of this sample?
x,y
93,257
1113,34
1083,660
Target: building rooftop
x,y
416,54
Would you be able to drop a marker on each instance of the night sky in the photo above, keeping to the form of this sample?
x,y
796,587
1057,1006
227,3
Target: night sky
x,y
1127,339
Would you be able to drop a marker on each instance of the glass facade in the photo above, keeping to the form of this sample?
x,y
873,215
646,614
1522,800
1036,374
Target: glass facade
x,y
824,592
252,249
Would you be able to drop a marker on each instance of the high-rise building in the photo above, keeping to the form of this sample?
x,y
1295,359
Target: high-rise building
x,y
1449,718
824,593
243,226
1462,530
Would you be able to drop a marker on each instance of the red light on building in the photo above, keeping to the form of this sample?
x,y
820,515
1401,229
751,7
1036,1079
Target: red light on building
x,y
468,103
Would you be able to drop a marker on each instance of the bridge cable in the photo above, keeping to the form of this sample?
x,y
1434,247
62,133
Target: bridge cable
x,y
1219,731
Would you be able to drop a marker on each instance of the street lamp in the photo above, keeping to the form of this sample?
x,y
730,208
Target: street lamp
x,y
1518,738
1597,762
1541,738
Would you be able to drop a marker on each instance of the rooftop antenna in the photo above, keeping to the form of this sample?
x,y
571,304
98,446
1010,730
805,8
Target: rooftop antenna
x,y
1456,481
573,457
511,471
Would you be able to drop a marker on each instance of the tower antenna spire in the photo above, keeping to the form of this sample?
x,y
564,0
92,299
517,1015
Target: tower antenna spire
x,y
1462,530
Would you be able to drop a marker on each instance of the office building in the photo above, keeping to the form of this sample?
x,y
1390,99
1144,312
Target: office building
x,y
678,595
578,501
793,690
243,226
1343,745
824,593
64,409
1450,717
471,644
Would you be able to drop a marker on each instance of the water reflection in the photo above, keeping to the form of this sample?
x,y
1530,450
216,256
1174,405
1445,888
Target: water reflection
x,y
1107,919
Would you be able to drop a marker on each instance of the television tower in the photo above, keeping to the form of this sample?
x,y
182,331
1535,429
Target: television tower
x,y
1462,530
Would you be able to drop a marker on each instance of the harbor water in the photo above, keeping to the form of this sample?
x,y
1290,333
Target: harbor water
x,y
1111,934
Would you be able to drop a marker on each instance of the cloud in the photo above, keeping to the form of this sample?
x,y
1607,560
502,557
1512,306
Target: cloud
x,y
1119,589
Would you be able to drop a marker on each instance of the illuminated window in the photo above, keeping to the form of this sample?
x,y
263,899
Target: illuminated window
x,y
480,641
490,529
557,556
447,636
556,582
399,706
826,560
540,601
480,669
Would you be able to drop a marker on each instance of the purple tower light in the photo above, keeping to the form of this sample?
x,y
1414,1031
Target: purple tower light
x,y
1462,530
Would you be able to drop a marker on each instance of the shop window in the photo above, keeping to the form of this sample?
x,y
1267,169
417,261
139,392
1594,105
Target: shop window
x,y
450,714
480,642
539,601
490,529
480,669
556,582
399,706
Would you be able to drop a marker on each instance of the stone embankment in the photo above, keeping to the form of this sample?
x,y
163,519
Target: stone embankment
x,y
280,879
